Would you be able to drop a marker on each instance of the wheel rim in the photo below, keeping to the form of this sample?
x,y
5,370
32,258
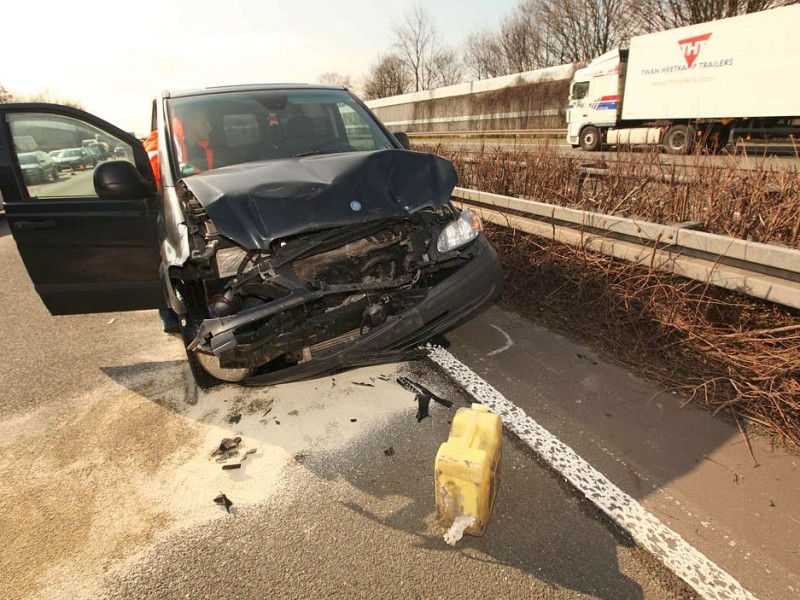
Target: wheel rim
x,y
211,364
589,139
677,140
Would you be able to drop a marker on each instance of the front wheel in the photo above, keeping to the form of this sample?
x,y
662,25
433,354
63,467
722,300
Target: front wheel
x,y
679,139
590,138
202,378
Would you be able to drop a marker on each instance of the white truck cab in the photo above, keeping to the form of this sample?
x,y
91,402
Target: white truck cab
x,y
594,100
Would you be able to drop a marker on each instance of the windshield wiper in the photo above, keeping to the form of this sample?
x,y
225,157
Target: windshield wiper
x,y
315,152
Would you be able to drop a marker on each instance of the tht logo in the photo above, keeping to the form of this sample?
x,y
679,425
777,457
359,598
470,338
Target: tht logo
x,y
691,47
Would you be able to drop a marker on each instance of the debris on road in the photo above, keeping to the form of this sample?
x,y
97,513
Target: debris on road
x,y
223,501
229,466
248,452
423,404
416,388
226,445
363,384
456,531
226,456
234,419
353,420
389,451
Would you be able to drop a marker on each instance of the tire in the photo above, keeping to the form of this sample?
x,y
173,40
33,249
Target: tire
x,y
202,378
679,139
590,138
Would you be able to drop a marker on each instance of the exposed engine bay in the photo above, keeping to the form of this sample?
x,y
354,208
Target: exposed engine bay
x,y
311,293
314,264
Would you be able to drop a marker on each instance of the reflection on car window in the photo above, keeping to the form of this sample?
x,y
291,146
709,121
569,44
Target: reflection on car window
x,y
218,130
57,154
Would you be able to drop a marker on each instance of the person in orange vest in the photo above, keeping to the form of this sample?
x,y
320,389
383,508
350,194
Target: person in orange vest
x,y
191,142
192,147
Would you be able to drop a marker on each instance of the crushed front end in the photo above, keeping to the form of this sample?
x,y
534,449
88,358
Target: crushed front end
x,y
290,306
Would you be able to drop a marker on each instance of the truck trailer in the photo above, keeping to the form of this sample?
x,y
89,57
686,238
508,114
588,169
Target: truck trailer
x,y
718,83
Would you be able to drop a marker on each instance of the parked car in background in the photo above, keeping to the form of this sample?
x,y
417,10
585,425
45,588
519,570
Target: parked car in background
x,y
75,159
37,167
96,153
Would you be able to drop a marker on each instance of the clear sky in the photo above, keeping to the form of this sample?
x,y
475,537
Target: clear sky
x,y
115,56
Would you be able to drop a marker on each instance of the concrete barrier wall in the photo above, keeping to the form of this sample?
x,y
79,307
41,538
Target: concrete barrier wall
x,y
532,100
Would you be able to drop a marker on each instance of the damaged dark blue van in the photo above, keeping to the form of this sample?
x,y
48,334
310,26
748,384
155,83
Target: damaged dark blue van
x,y
291,232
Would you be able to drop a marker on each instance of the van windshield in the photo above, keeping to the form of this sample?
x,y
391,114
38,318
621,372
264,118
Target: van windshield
x,y
218,130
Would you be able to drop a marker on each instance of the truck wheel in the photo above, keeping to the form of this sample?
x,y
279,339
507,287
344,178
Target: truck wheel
x,y
590,138
679,139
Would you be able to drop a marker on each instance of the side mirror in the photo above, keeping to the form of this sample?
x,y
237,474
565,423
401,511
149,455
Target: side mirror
x,y
402,137
119,180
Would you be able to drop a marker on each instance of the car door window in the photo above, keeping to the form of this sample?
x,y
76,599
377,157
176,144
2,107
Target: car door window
x,y
57,154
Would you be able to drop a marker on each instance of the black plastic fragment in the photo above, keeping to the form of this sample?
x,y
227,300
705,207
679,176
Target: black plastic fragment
x,y
423,404
223,501
226,445
416,388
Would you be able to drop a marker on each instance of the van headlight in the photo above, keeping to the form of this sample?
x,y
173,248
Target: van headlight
x,y
461,231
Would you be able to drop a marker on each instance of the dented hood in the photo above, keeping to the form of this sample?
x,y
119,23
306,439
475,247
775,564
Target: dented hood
x,y
256,203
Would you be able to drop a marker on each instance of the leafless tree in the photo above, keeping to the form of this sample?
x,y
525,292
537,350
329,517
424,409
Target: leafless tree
x,y
657,15
521,39
336,79
50,96
417,44
446,69
5,95
483,55
579,30
387,76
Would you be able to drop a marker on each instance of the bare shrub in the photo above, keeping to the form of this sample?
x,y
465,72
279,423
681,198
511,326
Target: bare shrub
x,y
732,354
760,204
735,355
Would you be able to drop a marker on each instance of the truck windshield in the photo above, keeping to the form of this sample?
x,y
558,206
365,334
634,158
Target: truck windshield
x,y
218,130
580,89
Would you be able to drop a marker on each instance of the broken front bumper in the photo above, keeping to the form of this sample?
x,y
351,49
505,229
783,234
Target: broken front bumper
x,y
454,300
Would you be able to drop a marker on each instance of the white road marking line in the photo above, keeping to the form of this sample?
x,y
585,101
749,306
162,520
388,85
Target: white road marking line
x,y
509,343
705,577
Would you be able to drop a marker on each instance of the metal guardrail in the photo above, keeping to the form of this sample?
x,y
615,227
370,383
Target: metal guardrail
x,y
493,133
758,270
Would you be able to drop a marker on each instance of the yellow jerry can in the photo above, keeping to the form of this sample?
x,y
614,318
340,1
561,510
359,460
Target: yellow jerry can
x,y
466,468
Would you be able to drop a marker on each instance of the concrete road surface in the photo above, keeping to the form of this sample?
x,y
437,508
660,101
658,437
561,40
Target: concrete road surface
x,y
105,457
